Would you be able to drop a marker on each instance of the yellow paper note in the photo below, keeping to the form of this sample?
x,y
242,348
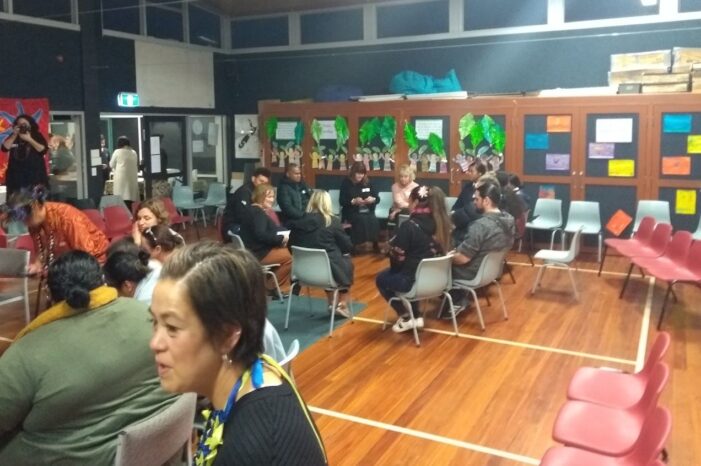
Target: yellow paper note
x,y
693,144
623,167
686,202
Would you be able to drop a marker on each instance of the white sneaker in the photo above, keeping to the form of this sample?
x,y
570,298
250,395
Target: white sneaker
x,y
405,324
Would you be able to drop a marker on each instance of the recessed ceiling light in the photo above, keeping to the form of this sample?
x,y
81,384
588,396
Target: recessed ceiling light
x,y
648,2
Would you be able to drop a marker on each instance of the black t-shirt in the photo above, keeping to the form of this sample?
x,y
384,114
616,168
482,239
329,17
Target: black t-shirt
x,y
268,427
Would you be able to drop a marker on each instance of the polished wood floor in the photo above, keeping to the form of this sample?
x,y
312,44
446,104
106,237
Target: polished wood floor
x,y
486,398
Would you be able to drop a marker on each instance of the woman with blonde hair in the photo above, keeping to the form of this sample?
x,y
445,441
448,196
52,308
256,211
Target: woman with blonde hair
x,y
320,229
401,190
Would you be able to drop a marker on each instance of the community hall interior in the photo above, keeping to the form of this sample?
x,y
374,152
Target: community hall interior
x,y
589,109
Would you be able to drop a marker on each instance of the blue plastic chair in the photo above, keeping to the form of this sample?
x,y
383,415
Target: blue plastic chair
x,y
184,199
659,210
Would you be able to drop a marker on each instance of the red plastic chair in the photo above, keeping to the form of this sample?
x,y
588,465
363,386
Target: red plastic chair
x,y
661,237
96,217
647,448
174,217
617,389
604,430
677,269
641,237
3,238
117,221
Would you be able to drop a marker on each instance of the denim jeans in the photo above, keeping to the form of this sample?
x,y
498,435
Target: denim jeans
x,y
389,282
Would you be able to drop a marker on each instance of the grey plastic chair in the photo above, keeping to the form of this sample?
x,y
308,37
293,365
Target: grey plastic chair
x,y
433,279
113,199
159,439
449,203
335,201
585,216
490,270
268,269
552,257
311,268
383,207
547,216
184,199
292,353
216,195
401,218
14,264
659,210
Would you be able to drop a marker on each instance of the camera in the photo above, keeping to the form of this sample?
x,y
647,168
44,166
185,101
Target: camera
x,y
23,129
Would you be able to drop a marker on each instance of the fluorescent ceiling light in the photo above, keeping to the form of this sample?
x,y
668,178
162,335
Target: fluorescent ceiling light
x,y
648,2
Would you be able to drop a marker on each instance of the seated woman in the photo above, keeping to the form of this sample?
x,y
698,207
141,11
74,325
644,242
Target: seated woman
x,y
150,213
401,190
55,227
265,239
160,241
130,270
78,373
320,229
426,234
358,200
208,316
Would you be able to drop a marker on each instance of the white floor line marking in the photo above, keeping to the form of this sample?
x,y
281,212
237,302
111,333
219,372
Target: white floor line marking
x,y
516,344
10,340
427,436
645,329
603,272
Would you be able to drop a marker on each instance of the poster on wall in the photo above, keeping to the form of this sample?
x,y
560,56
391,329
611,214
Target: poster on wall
x,y
246,136
9,110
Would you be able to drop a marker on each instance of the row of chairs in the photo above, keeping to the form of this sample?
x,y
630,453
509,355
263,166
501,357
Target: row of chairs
x,y
673,258
613,418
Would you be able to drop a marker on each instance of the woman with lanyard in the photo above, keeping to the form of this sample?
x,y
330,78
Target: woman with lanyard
x,y
208,313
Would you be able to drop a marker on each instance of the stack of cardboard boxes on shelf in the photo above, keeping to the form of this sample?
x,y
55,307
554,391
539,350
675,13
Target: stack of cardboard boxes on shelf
x,y
660,71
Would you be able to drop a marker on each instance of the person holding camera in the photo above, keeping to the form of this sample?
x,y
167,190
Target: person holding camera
x,y
26,166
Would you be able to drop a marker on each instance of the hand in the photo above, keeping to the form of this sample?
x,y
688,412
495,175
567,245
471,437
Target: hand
x,y
15,130
25,136
370,200
35,268
136,234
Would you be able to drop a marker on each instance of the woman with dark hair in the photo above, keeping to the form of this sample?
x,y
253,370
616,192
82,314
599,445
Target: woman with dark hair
x,y
426,234
130,270
77,374
125,169
358,199
53,226
26,166
265,239
208,317
160,242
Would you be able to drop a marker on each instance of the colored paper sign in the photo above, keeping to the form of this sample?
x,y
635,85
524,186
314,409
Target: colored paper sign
x,y
622,167
618,222
425,127
676,165
559,123
557,162
614,130
546,191
693,144
686,202
676,123
285,131
601,150
537,141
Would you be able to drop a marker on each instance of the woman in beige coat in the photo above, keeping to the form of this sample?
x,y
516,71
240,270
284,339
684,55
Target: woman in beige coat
x,y
124,164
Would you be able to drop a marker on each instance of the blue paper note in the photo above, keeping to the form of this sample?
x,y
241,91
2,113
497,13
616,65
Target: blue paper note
x,y
676,123
537,141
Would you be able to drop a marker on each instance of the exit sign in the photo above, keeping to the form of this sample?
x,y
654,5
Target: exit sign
x,y
128,99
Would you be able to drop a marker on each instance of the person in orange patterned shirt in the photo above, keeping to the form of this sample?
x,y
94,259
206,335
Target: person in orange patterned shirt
x,y
55,228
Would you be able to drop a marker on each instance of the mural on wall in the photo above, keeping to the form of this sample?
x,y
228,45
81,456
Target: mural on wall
x,y
480,138
377,143
426,148
327,157
9,110
285,138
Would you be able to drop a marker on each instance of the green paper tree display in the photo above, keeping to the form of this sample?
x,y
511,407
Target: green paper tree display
x,y
377,145
480,138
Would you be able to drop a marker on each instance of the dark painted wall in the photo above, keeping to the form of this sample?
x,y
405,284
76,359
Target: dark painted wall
x,y
484,65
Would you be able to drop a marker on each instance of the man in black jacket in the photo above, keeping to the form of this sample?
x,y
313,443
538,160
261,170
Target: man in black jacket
x,y
464,211
293,194
237,204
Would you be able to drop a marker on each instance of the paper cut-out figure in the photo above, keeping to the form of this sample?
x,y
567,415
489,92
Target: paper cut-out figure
x,y
342,161
366,161
375,161
281,158
273,156
315,159
387,161
424,163
297,155
433,158
413,158
444,166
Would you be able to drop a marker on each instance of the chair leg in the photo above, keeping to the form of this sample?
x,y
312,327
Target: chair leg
x,y
350,307
501,298
407,306
601,261
309,299
538,277
334,303
447,296
601,240
574,284
384,318
520,244
664,304
289,303
507,267
40,291
625,282
674,295
479,308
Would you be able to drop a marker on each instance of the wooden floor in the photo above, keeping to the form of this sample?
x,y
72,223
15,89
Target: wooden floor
x,y
486,398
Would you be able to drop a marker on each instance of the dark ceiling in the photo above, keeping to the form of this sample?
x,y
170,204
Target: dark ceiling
x,y
237,8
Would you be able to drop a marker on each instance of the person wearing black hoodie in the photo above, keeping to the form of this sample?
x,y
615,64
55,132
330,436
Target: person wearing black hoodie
x,y
293,194
464,212
426,234
238,203
320,229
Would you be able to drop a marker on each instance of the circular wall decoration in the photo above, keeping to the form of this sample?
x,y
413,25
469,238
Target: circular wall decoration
x,y
197,127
